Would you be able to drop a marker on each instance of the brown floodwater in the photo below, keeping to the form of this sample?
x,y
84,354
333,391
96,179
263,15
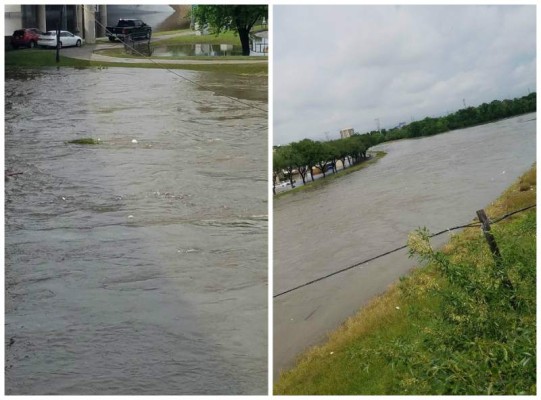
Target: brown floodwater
x,y
135,268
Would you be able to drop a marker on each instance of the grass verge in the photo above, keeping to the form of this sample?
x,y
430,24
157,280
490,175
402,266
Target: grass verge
x,y
188,36
457,325
119,52
36,58
330,177
228,37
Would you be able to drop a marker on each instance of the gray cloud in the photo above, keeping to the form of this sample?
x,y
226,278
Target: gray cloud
x,y
345,66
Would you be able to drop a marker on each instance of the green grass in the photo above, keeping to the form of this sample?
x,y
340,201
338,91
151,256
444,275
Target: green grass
x,y
228,37
41,58
173,32
119,52
35,58
330,177
459,325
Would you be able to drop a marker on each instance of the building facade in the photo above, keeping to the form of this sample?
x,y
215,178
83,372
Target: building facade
x,y
345,133
87,21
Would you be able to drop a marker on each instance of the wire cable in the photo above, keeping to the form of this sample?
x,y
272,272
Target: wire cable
x,y
475,224
163,66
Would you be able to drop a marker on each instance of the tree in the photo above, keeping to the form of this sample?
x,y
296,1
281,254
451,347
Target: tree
x,y
283,159
240,18
323,154
301,160
343,148
308,149
334,153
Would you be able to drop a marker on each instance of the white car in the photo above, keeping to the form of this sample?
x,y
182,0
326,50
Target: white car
x,y
48,39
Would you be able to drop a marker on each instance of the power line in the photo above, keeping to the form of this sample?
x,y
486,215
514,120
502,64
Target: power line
x,y
475,224
512,213
163,66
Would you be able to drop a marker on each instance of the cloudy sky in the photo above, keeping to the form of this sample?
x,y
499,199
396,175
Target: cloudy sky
x,y
348,66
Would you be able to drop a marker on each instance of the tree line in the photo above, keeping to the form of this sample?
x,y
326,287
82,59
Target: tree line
x,y
305,155
308,154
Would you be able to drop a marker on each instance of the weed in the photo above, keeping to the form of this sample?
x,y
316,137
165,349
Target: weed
x,y
84,141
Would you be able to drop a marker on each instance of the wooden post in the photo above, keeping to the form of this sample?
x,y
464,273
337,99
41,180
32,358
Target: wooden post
x,y
489,237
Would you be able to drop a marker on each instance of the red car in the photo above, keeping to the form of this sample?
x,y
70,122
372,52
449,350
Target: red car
x,y
27,37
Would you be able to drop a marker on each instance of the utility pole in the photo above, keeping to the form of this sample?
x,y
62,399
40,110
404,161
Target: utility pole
x,y
58,33
377,124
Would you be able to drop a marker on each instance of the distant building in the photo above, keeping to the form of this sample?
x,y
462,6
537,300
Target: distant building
x,y
345,133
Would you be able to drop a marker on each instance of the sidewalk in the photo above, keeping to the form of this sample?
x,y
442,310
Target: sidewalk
x,y
90,52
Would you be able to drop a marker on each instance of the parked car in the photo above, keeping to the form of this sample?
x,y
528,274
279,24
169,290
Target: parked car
x,y
48,39
27,37
135,28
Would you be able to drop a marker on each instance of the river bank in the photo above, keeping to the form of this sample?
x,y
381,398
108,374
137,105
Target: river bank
x,y
437,182
320,181
433,333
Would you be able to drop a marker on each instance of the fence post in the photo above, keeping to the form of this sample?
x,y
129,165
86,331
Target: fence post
x,y
489,236
493,248
495,253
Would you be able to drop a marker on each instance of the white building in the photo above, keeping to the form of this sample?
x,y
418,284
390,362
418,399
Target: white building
x,y
345,133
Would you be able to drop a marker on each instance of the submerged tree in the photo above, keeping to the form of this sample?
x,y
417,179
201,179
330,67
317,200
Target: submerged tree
x,y
240,18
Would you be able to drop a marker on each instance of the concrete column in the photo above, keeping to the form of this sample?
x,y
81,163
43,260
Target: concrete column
x,y
103,20
90,25
64,22
42,18
78,20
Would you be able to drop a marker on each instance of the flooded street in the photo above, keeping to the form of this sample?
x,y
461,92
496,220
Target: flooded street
x,y
135,268
438,182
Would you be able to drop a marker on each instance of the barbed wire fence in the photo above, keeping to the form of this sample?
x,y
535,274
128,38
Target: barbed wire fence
x,y
470,225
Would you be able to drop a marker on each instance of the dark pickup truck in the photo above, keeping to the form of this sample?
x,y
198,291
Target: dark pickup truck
x,y
135,28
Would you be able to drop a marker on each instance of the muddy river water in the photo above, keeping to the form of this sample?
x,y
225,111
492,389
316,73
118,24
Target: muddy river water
x,y
135,268
437,182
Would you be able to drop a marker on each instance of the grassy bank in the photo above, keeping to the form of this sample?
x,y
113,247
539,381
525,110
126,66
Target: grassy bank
x,y
119,52
457,325
189,37
330,177
37,58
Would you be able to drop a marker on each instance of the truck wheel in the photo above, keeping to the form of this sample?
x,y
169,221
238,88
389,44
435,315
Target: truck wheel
x,y
32,44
